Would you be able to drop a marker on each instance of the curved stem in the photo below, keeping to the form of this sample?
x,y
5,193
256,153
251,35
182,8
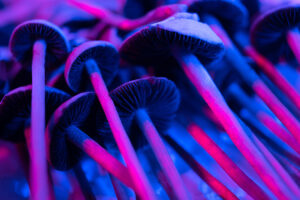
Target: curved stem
x,y
138,176
200,78
237,61
281,171
279,80
161,153
99,154
213,182
126,24
38,163
226,163
293,39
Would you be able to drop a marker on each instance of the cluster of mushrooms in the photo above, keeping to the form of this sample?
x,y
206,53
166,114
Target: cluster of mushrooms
x,y
188,99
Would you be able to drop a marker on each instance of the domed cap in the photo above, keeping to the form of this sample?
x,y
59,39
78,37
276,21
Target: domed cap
x,y
155,43
15,110
26,34
268,32
103,53
158,96
62,154
231,13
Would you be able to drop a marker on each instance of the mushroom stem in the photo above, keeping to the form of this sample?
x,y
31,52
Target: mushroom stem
x,y
237,61
142,185
200,78
278,167
239,96
84,183
99,154
146,125
270,70
226,163
213,182
126,24
293,38
38,164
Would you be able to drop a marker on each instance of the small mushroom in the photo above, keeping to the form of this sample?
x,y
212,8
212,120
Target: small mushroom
x,y
15,115
66,140
275,33
38,44
96,62
151,103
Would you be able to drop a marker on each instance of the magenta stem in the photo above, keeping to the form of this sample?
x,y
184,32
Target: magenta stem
x,y
200,78
258,86
126,24
293,39
226,163
99,154
277,166
146,125
278,130
142,185
213,182
289,121
279,80
38,161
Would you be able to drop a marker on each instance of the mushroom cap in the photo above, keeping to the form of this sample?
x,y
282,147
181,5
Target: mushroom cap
x,y
103,53
268,32
4,88
231,13
154,43
63,154
26,34
158,96
15,110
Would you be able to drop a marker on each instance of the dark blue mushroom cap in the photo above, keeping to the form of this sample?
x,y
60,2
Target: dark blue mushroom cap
x,y
15,109
154,44
103,53
231,13
26,34
158,96
268,32
62,154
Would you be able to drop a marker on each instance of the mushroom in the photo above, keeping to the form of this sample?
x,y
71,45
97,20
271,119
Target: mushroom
x,y
66,140
192,43
92,65
276,32
15,119
213,182
269,69
151,104
39,44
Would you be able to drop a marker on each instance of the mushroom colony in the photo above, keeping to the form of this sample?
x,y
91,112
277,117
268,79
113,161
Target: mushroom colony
x,y
150,99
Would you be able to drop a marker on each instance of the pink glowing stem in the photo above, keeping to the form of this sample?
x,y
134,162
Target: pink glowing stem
x,y
293,39
278,130
99,154
199,77
161,153
277,166
138,176
279,80
123,23
258,86
226,163
213,182
289,121
38,164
